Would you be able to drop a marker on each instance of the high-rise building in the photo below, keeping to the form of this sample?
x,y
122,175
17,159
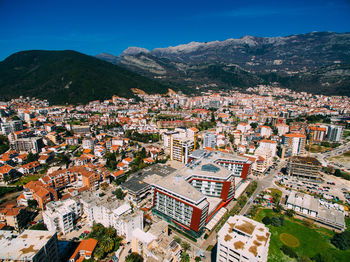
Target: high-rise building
x,y
181,148
60,216
110,212
335,133
190,197
209,140
243,239
29,144
319,133
177,202
296,142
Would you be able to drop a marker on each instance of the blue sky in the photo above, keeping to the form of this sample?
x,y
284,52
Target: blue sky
x,y
99,26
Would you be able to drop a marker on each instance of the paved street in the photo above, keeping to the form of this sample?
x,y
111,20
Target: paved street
x,y
263,183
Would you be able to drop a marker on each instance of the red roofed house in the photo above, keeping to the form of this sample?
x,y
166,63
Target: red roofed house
x,y
14,216
7,170
31,167
84,250
36,190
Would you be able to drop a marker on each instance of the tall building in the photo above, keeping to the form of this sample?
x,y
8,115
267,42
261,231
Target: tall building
x,y
30,245
110,212
177,202
243,239
335,133
181,148
296,142
60,216
319,133
190,197
209,140
29,144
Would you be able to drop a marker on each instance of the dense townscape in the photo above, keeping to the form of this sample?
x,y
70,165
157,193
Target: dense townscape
x,y
221,176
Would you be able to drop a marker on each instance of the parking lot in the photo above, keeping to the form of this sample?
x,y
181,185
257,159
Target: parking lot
x,y
77,233
331,188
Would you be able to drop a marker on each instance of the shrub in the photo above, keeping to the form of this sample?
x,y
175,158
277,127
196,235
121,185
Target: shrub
x,y
275,221
289,251
341,240
266,220
290,212
281,220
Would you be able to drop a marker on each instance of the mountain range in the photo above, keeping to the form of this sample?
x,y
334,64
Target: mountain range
x,y
68,77
316,62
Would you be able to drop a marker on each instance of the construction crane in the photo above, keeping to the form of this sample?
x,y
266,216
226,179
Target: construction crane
x,y
310,143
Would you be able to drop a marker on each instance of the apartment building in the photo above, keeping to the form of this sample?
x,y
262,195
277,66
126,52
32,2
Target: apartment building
x,y
14,216
155,246
318,133
180,204
110,212
81,176
267,145
181,148
304,167
282,129
188,198
28,144
11,126
243,239
37,190
335,133
296,142
29,246
60,216
240,166
209,140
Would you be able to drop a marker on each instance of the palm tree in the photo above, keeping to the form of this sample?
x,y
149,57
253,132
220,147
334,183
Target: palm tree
x,y
185,246
134,257
110,232
99,253
185,257
107,244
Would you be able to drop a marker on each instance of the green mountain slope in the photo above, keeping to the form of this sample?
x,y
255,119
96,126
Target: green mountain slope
x,y
68,77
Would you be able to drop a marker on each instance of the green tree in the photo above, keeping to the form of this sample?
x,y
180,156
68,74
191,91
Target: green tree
x,y
119,193
185,257
177,239
107,244
277,208
99,253
4,144
185,246
134,257
290,213
341,240
266,220
275,221
254,125
289,251
32,157
32,204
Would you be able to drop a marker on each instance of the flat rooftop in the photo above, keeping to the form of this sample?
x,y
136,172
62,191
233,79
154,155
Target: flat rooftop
x,y
24,246
139,181
246,236
179,186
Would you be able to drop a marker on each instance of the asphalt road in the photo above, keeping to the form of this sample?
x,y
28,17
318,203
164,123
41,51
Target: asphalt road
x,y
263,183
